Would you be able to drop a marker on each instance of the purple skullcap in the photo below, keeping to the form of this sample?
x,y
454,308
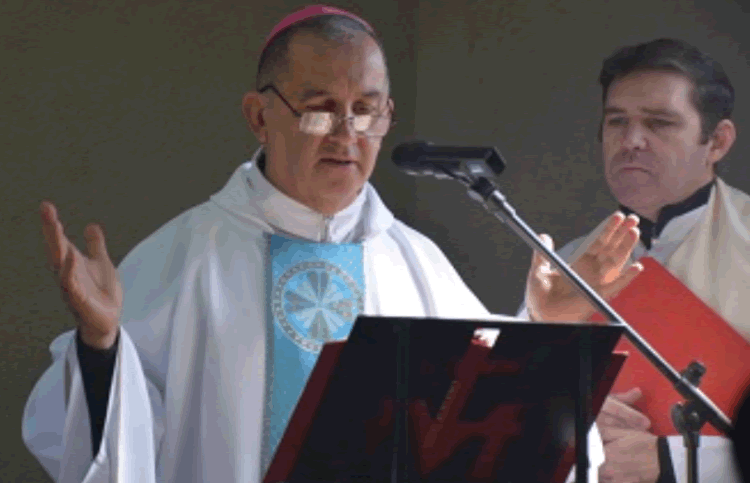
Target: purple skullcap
x,y
310,12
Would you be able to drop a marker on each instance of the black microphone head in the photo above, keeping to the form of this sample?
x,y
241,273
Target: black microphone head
x,y
405,152
408,156
424,158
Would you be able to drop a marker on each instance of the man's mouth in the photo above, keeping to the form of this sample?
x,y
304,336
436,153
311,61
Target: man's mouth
x,y
338,162
631,168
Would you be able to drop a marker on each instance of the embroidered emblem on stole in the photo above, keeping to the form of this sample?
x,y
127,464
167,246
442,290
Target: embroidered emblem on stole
x,y
316,291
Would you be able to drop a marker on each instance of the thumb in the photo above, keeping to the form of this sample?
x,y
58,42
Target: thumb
x,y
538,259
629,397
95,245
547,241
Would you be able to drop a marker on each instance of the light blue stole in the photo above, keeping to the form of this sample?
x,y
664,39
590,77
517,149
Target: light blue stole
x,y
316,293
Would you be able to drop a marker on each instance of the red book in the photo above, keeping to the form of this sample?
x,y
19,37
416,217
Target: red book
x,y
682,328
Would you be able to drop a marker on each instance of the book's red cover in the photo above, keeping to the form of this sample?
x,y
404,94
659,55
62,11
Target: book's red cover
x,y
681,328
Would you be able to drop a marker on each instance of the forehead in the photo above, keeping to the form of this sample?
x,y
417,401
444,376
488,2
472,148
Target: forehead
x,y
347,67
652,90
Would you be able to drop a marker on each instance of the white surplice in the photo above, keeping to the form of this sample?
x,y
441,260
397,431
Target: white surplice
x,y
187,399
708,249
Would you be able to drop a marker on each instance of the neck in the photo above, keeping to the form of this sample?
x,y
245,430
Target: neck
x,y
654,213
327,208
653,222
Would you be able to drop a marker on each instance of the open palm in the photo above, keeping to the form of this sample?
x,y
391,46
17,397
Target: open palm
x,y
89,283
604,266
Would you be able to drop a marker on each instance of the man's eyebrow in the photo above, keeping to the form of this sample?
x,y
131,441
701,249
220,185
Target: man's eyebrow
x,y
652,111
373,93
312,93
660,112
613,110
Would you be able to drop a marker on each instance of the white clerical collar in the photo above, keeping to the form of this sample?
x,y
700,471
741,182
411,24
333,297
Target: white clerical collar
x,y
250,196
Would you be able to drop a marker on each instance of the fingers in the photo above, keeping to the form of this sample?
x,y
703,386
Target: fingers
x,y
610,434
629,397
605,236
621,252
541,267
614,473
618,231
548,242
68,281
538,283
625,239
627,225
56,243
623,280
95,244
617,414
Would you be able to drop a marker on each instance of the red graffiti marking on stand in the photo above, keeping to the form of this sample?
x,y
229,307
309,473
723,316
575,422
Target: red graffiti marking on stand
x,y
439,438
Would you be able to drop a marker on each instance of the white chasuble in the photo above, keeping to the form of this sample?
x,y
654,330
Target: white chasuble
x,y
189,392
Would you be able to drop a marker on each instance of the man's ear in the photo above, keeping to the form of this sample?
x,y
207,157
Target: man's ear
x,y
721,141
253,106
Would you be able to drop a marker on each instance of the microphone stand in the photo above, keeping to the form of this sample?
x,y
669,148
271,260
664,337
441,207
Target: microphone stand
x,y
688,418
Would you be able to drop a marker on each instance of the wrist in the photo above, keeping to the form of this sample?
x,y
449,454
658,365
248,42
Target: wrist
x,y
99,341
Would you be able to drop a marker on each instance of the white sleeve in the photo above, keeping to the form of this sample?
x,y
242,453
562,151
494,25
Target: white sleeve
x,y
716,462
596,457
56,426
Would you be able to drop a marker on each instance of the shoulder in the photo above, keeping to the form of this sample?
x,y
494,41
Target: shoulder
x,y
416,239
739,199
182,240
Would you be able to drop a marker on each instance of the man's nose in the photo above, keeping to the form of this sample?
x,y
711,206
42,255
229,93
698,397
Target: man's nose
x,y
343,132
634,137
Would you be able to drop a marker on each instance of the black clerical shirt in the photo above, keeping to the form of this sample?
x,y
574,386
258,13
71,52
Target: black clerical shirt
x,y
650,230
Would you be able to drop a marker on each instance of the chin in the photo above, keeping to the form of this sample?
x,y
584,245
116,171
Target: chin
x,y
632,187
638,199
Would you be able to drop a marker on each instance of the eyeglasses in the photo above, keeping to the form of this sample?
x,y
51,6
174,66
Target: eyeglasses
x,y
319,123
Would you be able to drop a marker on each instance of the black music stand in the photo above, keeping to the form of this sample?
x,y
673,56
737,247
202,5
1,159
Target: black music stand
x,y
371,402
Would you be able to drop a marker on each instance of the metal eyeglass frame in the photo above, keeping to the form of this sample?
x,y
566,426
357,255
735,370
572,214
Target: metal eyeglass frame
x,y
337,119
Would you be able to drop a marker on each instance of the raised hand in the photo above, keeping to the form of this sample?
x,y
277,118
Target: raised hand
x,y
604,266
89,283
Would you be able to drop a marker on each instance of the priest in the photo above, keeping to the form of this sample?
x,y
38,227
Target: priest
x,y
188,359
666,123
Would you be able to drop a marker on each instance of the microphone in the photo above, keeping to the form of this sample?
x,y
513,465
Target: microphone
x,y
420,158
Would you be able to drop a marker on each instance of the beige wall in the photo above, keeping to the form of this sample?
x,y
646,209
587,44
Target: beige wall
x,y
128,113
